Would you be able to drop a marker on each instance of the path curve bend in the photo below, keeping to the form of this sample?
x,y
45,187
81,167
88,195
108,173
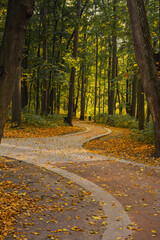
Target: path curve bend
x,y
46,152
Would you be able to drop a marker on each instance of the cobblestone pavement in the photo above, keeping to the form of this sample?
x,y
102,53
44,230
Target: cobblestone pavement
x,y
66,148
48,152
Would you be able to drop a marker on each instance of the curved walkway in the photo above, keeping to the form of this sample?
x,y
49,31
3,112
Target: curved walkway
x,y
46,152
66,148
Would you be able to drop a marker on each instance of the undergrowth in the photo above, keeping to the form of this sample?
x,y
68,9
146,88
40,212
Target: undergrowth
x,y
127,121
29,117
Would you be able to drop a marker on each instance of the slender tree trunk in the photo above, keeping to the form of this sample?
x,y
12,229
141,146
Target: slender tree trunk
x,y
44,84
73,69
133,106
140,104
18,15
24,89
96,78
145,58
127,90
16,102
37,83
58,98
114,60
77,97
82,93
109,76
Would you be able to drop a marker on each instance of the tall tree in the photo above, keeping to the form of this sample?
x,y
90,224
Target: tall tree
x,y
45,58
145,58
73,69
16,101
114,59
18,15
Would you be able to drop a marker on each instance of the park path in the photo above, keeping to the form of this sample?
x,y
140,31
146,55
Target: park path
x,y
54,149
120,184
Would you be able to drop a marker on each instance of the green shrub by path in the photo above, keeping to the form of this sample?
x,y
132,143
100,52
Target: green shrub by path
x,y
124,121
29,116
146,135
127,121
49,121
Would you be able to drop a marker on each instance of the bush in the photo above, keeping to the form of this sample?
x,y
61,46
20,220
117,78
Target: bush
x,y
54,120
127,121
146,135
124,121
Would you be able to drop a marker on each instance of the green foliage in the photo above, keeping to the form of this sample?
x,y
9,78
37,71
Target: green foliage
x,y
127,121
146,135
124,121
54,120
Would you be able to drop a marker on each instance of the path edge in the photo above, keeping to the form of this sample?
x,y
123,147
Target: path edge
x,y
118,219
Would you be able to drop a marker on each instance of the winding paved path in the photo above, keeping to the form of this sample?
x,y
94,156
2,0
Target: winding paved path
x,y
46,152
66,148
134,185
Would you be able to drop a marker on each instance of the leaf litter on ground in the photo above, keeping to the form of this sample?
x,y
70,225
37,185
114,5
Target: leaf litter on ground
x,y
121,145
33,131
34,201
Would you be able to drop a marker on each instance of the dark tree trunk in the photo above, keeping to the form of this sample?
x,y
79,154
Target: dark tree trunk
x,y
96,77
109,76
16,102
18,14
58,98
82,93
140,104
145,58
114,61
44,84
73,69
24,89
37,83
133,106
127,91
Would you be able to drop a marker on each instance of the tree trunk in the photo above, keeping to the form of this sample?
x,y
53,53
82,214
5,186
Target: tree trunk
x,y
16,102
82,93
18,14
140,104
96,77
109,75
73,69
133,106
146,62
24,89
114,60
44,84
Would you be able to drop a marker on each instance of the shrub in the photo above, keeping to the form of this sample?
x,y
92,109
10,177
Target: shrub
x,y
124,121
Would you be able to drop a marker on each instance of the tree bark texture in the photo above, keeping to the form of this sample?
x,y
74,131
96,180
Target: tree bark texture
x,y
18,15
146,62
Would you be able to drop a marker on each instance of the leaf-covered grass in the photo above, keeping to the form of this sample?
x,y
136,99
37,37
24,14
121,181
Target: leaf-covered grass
x,y
38,126
120,145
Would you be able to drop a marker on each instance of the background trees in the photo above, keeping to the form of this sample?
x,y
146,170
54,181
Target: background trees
x,y
106,74
18,14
